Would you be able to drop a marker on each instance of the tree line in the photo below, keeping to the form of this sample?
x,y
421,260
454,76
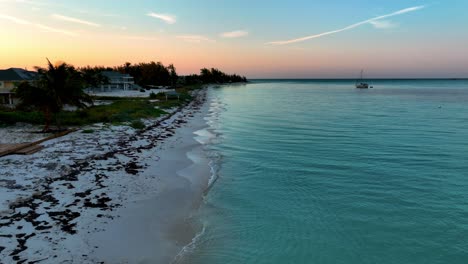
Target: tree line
x,y
213,76
156,73
62,84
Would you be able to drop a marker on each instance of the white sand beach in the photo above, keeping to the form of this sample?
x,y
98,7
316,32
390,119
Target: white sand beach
x,y
117,195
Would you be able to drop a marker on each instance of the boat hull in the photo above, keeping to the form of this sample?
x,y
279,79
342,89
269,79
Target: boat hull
x,y
362,86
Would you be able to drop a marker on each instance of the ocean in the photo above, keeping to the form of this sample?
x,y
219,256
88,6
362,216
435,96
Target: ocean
x,y
316,171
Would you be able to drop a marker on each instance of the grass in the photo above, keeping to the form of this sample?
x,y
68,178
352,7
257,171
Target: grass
x,y
117,112
137,124
121,110
10,117
88,131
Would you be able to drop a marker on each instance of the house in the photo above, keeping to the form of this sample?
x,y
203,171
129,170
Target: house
x,y
118,80
9,79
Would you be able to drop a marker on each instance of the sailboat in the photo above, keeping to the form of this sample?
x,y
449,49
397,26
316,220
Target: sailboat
x,y
360,84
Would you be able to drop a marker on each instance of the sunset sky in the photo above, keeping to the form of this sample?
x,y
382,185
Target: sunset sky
x,y
256,38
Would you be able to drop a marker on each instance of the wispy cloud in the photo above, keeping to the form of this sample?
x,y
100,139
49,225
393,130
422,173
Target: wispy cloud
x,y
56,30
15,19
139,37
369,21
32,4
169,19
194,38
235,34
383,24
75,20
37,25
29,2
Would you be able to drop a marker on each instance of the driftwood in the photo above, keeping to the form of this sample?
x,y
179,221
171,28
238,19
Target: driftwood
x,y
31,147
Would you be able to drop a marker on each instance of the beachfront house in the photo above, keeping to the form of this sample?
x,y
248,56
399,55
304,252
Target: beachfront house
x,y
118,81
9,79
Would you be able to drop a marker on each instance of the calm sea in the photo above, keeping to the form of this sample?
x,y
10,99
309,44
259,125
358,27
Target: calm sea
x,y
321,172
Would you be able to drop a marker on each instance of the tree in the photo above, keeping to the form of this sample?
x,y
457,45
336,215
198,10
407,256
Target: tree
x,y
56,86
32,96
172,75
216,76
93,77
153,73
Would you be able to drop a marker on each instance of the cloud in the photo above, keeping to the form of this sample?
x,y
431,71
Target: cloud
x,y
41,26
235,34
194,38
369,21
383,24
15,20
75,20
138,37
169,19
34,3
56,30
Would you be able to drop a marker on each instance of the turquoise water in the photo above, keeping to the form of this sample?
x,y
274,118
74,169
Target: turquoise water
x,y
320,172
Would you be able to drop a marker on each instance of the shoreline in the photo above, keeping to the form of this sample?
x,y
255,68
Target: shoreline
x,y
119,195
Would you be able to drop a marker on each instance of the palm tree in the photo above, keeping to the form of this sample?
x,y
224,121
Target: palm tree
x,y
36,97
56,86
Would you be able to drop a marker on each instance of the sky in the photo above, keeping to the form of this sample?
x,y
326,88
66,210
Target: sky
x,y
255,38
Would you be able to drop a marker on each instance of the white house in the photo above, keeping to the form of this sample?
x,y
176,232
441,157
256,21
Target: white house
x,y
118,80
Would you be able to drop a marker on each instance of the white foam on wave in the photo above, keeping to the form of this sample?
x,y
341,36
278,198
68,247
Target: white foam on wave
x,y
214,167
206,137
190,247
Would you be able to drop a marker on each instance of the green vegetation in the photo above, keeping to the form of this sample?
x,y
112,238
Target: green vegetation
x,y
157,74
213,76
93,77
153,73
43,100
10,117
153,96
118,112
88,131
57,86
137,124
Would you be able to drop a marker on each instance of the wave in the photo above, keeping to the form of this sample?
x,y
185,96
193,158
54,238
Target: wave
x,y
190,247
208,137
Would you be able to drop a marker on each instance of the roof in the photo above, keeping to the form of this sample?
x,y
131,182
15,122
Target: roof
x,y
114,74
16,74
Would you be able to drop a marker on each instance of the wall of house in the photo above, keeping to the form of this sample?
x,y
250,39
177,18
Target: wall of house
x,y
3,88
7,86
10,84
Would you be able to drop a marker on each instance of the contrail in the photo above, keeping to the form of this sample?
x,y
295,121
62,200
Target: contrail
x,y
400,12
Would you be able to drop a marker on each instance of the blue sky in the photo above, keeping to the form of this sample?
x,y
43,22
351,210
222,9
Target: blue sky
x,y
256,38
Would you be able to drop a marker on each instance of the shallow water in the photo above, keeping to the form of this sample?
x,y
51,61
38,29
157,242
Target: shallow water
x,y
320,172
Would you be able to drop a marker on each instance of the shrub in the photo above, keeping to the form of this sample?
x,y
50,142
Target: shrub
x,y
88,131
153,95
137,124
